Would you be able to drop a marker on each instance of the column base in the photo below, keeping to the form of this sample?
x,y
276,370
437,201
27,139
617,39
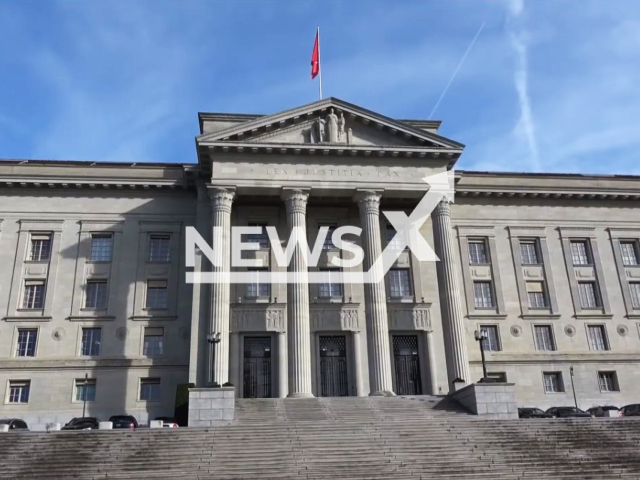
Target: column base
x,y
382,393
300,395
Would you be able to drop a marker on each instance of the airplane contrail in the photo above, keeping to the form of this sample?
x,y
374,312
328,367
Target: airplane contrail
x,y
464,57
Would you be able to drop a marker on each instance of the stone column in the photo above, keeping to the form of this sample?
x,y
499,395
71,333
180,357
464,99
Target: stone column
x,y
234,361
298,330
431,355
357,363
282,364
221,200
375,298
450,301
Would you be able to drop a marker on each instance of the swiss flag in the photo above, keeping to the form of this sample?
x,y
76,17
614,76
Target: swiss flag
x,y
315,57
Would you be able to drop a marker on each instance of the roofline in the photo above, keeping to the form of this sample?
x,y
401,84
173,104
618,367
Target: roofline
x,y
229,117
489,173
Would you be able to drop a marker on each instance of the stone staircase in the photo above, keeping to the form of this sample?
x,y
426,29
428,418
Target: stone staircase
x,y
338,438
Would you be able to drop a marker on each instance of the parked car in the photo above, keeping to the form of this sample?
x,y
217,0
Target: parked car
x,y
82,423
567,412
124,421
168,422
630,410
604,411
533,412
14,424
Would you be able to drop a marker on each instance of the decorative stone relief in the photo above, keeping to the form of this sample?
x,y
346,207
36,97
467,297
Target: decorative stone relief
x,y
349,319
421,319
256,320
275,320
122,333
569,330
409,319
516,330
344,319
330,129
622,330
58,334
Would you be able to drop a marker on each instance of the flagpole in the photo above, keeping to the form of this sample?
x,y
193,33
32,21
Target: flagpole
x,y
320,66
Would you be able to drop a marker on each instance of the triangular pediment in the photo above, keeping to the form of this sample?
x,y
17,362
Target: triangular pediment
x,y
332,123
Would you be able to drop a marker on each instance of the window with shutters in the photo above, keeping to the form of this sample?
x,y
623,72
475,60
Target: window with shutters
x,y
629,252
259,287
536,295
483,294
19,391
96,295
160,248
608,382
588,296
553,382
529,252
40,247
399,283
478,252
330,286
153,342
91,341
101,247
580,252
27,341
597,337
34,291
544,337
491,343
157,294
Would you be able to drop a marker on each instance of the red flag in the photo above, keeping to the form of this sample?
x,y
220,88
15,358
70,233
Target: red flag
x,y
315,57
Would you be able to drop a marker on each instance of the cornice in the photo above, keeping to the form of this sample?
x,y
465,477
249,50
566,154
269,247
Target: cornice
x,y
476,191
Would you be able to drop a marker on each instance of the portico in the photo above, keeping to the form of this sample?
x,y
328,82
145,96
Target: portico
x,y
306,339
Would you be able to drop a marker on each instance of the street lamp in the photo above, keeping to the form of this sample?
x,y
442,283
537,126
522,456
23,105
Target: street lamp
x,y
84,394
213,339
481,335
575,400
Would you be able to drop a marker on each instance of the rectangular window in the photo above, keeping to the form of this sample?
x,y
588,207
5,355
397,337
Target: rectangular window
x,y
86,390
597,337
19,391
553,382
491,343
529,252
629,253
40,247
634,288
393,239
477,252
588,297
544,337
157,294
101,247
483,294
330,286
536,294
258,286
328,241
580,252
33,294
399,283
261,238
160,248
153,341
27,339
96,296
150,389
608,382
91,341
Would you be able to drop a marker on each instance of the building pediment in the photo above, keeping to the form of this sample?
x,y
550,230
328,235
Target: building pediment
x,y
330,123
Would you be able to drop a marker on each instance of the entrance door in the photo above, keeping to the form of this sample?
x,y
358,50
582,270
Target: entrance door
x,y
407,365
333,366
257,367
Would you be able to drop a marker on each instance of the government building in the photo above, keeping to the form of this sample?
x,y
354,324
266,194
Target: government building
x,y
96,305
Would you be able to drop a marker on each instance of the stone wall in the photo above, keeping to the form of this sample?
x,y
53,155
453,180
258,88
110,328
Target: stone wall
x,y
211,407
489,400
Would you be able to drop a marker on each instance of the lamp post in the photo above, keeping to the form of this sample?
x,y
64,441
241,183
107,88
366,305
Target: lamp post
x,y
575,400
213,339
481,335
84,394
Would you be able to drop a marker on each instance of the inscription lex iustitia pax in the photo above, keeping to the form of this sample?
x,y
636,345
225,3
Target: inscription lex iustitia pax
x,y
332,172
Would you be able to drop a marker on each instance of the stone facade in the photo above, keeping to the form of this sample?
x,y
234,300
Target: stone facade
x,y
114,305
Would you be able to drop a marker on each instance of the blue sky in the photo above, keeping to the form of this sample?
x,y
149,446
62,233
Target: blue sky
x,y
549,85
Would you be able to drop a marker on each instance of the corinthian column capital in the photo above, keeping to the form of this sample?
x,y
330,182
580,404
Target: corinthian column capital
x,y
443,208
221,198
368,201
295,200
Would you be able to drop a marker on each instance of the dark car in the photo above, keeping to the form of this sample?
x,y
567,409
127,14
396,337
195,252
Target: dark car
x,y
124,421
604,411
630,410
82,423
14,424
532,412
168,422
567,412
